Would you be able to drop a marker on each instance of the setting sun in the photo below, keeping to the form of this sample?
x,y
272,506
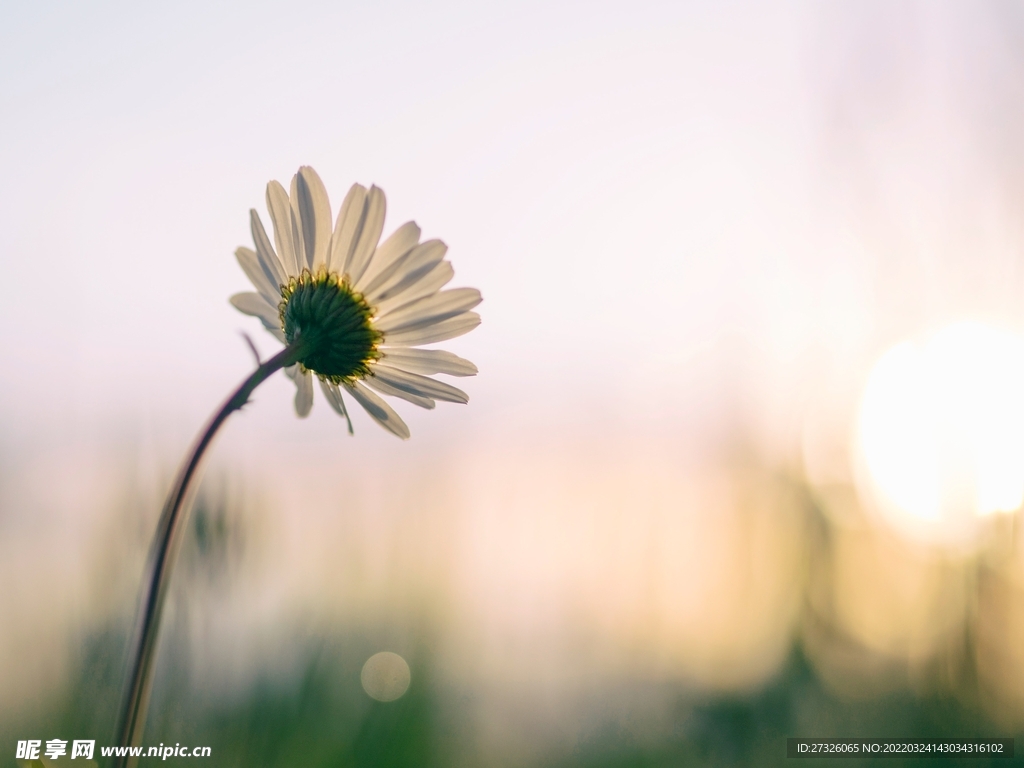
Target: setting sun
x,y
941,423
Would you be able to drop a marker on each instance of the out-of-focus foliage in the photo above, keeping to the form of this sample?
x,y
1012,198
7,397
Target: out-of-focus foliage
x,y
323,718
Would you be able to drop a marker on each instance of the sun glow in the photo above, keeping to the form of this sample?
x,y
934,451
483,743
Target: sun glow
x,y
941,427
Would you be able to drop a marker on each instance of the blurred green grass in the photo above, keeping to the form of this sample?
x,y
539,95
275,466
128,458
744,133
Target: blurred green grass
x,y
315,712
323,718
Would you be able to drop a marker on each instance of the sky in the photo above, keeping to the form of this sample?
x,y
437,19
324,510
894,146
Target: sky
x,y
623,187
660,204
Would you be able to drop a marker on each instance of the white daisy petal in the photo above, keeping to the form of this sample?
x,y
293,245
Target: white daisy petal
x,y
256,305
369,235
388,256
265,251
386,389
346,229
427,361
426,285
428,334
333,397
381,412
415,384
430,309
309,199
291,371
303,393
280,208
250,264
424,257
298,241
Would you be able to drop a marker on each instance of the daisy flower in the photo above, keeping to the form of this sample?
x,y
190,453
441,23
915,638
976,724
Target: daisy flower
x,y
355,310
351,311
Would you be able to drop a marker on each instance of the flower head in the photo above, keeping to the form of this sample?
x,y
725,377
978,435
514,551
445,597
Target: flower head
x,y
355,310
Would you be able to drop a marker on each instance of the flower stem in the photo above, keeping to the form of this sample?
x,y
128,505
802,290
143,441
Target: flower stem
x,y
169,535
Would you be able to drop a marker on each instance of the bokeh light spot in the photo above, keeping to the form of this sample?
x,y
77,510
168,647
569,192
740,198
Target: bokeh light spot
x,y
385,676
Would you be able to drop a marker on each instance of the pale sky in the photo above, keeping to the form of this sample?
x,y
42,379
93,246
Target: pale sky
x,y
605,177
656,201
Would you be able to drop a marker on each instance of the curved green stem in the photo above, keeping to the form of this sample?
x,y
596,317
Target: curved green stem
x,y
168,539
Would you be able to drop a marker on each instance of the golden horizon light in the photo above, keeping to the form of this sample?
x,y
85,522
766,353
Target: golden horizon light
x,y
939,430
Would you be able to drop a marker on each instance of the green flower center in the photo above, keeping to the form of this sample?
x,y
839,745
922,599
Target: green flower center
x,y
332,322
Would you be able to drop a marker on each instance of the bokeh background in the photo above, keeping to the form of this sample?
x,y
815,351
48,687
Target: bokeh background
x,y
655,536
